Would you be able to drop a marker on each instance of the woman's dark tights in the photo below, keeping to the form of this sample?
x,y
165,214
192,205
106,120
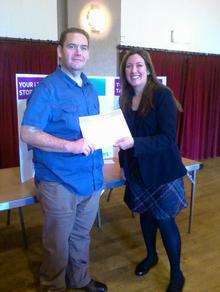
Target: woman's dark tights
x,y
170,237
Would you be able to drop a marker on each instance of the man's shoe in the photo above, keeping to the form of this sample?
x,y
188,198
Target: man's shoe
x,y
95,286
144,266
176,284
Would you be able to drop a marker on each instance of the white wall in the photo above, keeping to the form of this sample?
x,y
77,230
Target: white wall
x,y
148,23
143,22
29,19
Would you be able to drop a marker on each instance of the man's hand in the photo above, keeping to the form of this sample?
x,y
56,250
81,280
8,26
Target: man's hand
x,y
80,146
125,143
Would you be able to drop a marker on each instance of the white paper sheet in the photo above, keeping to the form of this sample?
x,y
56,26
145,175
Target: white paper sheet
x,y
105,129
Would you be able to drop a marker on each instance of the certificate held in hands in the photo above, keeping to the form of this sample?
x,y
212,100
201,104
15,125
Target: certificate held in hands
x,y
105,129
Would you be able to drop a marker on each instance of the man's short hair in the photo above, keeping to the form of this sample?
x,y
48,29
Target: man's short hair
x,y
72,30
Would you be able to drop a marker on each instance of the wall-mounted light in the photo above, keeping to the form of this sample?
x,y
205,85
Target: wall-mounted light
x,y
96,19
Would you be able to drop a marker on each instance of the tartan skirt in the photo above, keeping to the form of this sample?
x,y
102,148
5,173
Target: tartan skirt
x,y
162,202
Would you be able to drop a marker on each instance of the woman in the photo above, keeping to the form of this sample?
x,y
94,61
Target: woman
x,y
151,161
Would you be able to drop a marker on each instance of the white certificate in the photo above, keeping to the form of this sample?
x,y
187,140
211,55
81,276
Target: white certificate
x,y
105,129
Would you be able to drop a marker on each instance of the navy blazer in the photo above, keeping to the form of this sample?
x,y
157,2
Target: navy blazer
x,y
155,148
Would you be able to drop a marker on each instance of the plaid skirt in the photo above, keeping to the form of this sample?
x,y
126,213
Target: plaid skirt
x,y
162,202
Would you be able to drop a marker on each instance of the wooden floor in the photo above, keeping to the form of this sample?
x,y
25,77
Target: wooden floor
x,y
116,249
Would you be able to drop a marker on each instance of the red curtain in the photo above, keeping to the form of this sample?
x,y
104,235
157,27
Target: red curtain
x,y
195,81
201,120
18,57
173,66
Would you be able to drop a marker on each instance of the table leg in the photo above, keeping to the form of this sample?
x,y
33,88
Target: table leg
x,y
192,177
24,237
8,217
98,219
98,216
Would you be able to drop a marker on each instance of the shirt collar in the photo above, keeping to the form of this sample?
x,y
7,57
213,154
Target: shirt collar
x,y
84,78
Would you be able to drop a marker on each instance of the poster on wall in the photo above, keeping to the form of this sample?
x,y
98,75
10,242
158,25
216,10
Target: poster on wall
x,y
162,79
25,83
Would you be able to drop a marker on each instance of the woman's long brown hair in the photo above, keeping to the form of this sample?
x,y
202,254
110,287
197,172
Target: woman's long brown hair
x,y
147,99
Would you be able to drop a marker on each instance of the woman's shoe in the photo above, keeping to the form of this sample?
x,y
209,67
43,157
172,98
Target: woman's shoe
x,y
176,284
144,266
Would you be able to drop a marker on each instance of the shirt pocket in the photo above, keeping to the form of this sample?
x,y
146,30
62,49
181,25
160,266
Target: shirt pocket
x,y
67,116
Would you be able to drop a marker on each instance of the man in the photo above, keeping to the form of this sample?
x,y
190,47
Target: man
x,y
68,170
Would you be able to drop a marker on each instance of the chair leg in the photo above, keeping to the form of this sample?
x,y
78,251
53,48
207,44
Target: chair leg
x,y
109,194
24,237
8,217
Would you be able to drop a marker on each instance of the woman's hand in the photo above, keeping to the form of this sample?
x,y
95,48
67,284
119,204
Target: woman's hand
x,y
125,143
